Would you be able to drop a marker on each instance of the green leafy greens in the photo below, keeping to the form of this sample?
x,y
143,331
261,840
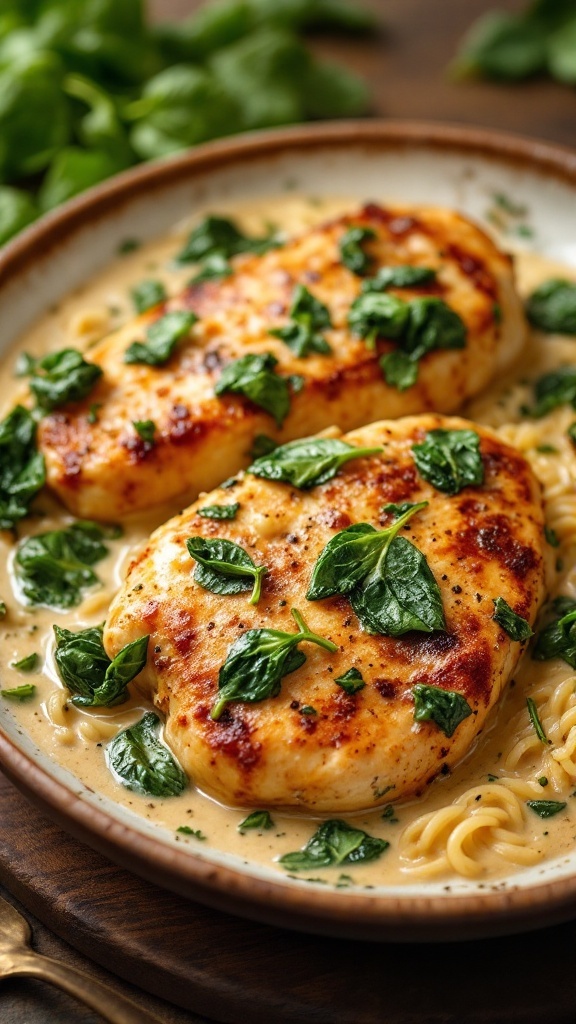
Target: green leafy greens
x,y
221,238
400,276
308,462
24,692
55,568
86,670
352,251
446,708
546,808
62,377
558,638
309,316
219,511
387,579
535,719
450,459
257,662
334,843
147,294
254,377
223,567
161,338
552,306
258,820
142,763
28,664
514,625
352,681
22,469
558,387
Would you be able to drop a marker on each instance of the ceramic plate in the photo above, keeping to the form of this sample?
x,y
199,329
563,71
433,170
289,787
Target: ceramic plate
x,y
418,163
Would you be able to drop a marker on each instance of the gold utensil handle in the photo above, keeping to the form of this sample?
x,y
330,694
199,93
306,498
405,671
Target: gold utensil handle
x,y
112,1006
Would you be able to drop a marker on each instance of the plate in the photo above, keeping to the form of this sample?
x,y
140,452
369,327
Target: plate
x,y
398,162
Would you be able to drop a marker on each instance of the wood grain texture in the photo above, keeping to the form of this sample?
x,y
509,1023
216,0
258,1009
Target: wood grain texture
x,y
235,971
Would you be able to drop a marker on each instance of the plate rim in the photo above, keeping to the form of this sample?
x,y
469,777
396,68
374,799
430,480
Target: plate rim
x,y
402,917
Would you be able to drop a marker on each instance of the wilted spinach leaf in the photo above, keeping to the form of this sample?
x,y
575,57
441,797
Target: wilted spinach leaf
x,y
514,625
142,763
146,430
552,306
308,462
54,568
558,387
28,664
259,820
334,843
221,237
86,670
401,276
546,808
399,370
219,511
24,692
223,567
254,377
22,469
352,253
446,708
161,338
309,316
373,315
450,459
147,294
351,681
558,638
431,325
62,377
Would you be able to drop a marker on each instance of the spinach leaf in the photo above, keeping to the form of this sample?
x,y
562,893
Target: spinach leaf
x,y
54,568
259,820
161,338
552,306
373,315
388,580
351,681
17,210
146,430
514,625
401,276
309,316
446,708
142,763
147,294
399,370
502,46
100,128
73,170
88,672
432,324
262,445
257,662
352,253
334,843
185,830
213,269
24,692
63,377
223,567
254,377
308,462
28,664
558,387
22,469
34,114
546,808
558,638
535,719
221,237
219,511
450,460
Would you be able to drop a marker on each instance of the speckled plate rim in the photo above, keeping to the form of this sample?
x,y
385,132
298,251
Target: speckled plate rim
x,y
401,915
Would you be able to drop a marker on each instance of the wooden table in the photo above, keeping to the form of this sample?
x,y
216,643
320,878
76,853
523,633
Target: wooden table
x,y
406,68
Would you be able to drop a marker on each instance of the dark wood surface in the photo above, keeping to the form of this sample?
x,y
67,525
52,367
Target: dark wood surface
x,y
225,968
243,973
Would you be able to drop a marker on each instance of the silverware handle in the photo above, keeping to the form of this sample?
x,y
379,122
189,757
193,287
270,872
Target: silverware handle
x,y
112,1006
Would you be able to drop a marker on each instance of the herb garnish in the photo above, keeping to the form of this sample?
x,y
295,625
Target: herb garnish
x,y
86,670
22,469
213,269
308,462
546,808
24,692
352,253
374,315
514,625
147,294
558,638
141,761
185,830
161,338
446,708
309,316
28,664
389,583
262,445
54,568
254,377
259,820
221,237
351,681
552,307
146,430
552,537
224,567
219,511
335,842
257,662
450,460
554,389
399,369
535,719
401,276
62,377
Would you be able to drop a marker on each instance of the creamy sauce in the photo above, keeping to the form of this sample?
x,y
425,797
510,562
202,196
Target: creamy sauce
x,y
76,738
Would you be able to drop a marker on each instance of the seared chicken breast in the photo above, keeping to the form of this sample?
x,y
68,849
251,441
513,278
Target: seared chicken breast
x,y
103,469
320,743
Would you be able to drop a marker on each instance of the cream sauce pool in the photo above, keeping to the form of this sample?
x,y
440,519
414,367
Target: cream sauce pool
x,y
76,738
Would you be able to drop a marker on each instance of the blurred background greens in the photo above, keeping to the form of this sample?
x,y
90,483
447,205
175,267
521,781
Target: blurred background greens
x,y
90,87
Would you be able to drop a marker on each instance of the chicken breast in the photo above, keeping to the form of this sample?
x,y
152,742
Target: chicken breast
x,y
316,744
102,469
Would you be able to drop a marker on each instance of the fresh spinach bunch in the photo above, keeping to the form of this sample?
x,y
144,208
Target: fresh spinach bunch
x,y
86,670
309,462
309,317
142,763
552,306
254,377
558,638
22,468
450,459
334,843
387,579
62,377
224,567
55,568
258,661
